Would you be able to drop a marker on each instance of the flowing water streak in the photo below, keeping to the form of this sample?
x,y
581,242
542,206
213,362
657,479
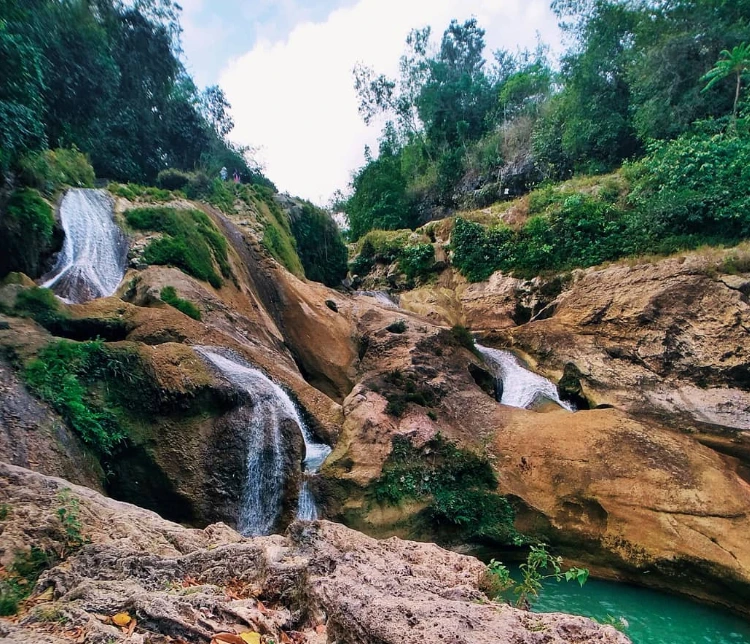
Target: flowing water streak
x,y
520,387
94,256
264,484
381,297
315,454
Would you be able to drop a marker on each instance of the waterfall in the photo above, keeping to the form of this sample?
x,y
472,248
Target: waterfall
x,y
265,477
93,259
520,386
381,297
315,454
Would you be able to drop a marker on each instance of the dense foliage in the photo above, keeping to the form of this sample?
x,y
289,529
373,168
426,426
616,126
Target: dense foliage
x,y
458,485
320,246
49,170
190,242
413,253
106,76
683,194
26,233
462,130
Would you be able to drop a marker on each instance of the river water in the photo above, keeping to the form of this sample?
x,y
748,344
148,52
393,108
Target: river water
x,y
652,617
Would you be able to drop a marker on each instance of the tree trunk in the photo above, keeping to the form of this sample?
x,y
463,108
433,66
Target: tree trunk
x,y
736,100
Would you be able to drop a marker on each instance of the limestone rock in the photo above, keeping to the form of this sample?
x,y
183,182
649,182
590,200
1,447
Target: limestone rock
x,y
191,584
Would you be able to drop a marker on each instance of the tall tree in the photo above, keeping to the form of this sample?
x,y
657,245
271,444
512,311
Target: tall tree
x,y
734,63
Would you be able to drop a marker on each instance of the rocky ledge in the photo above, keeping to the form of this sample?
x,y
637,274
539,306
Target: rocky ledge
x,y
321,582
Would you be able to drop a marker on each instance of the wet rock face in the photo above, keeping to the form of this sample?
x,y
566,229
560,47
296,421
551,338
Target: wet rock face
x,y
324,581
33,435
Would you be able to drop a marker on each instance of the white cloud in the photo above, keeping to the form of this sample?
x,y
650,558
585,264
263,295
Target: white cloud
x,y
294,99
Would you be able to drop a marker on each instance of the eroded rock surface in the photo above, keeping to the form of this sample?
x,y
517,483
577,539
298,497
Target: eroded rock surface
x,y
323,581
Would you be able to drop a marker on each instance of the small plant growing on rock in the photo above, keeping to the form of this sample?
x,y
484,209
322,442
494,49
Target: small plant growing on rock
x,y
68,513
540,566
399,326
17,582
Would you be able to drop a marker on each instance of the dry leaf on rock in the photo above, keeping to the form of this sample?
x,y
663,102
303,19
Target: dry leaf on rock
x,y
46,596
121,619
228,638
250,637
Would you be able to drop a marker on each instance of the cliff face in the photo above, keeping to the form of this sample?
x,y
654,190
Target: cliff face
x,y
320,582
655,485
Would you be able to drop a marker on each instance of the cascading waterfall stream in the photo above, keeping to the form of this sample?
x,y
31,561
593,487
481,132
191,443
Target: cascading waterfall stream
x,y
264,484
520,386
94,256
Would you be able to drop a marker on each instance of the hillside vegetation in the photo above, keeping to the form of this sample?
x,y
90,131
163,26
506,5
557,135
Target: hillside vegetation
x,y
99,89
656,92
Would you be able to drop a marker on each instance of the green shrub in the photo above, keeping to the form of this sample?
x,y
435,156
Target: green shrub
x,y
459,485
135,192
400,390
361,265
695,185
59,374
399,326
50,170
172,179
384,245
169,295
417,260
26,233
191,241
198,185
685,193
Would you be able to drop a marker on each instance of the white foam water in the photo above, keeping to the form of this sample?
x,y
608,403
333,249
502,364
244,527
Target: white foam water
x,y
520,386
265,477
94,256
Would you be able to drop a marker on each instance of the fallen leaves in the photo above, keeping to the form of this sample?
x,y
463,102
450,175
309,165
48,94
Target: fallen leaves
x,y
249,637
121,619
78,634
237,589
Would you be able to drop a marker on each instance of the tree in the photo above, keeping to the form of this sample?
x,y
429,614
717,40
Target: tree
x,y
319,245
379,198
731,63
215,109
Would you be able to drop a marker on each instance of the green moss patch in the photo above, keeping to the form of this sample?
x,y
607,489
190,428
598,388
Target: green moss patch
x,y
191,242
169,295
63,374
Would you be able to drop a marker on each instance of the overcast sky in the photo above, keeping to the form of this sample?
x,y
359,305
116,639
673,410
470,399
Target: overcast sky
x,y
285,66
